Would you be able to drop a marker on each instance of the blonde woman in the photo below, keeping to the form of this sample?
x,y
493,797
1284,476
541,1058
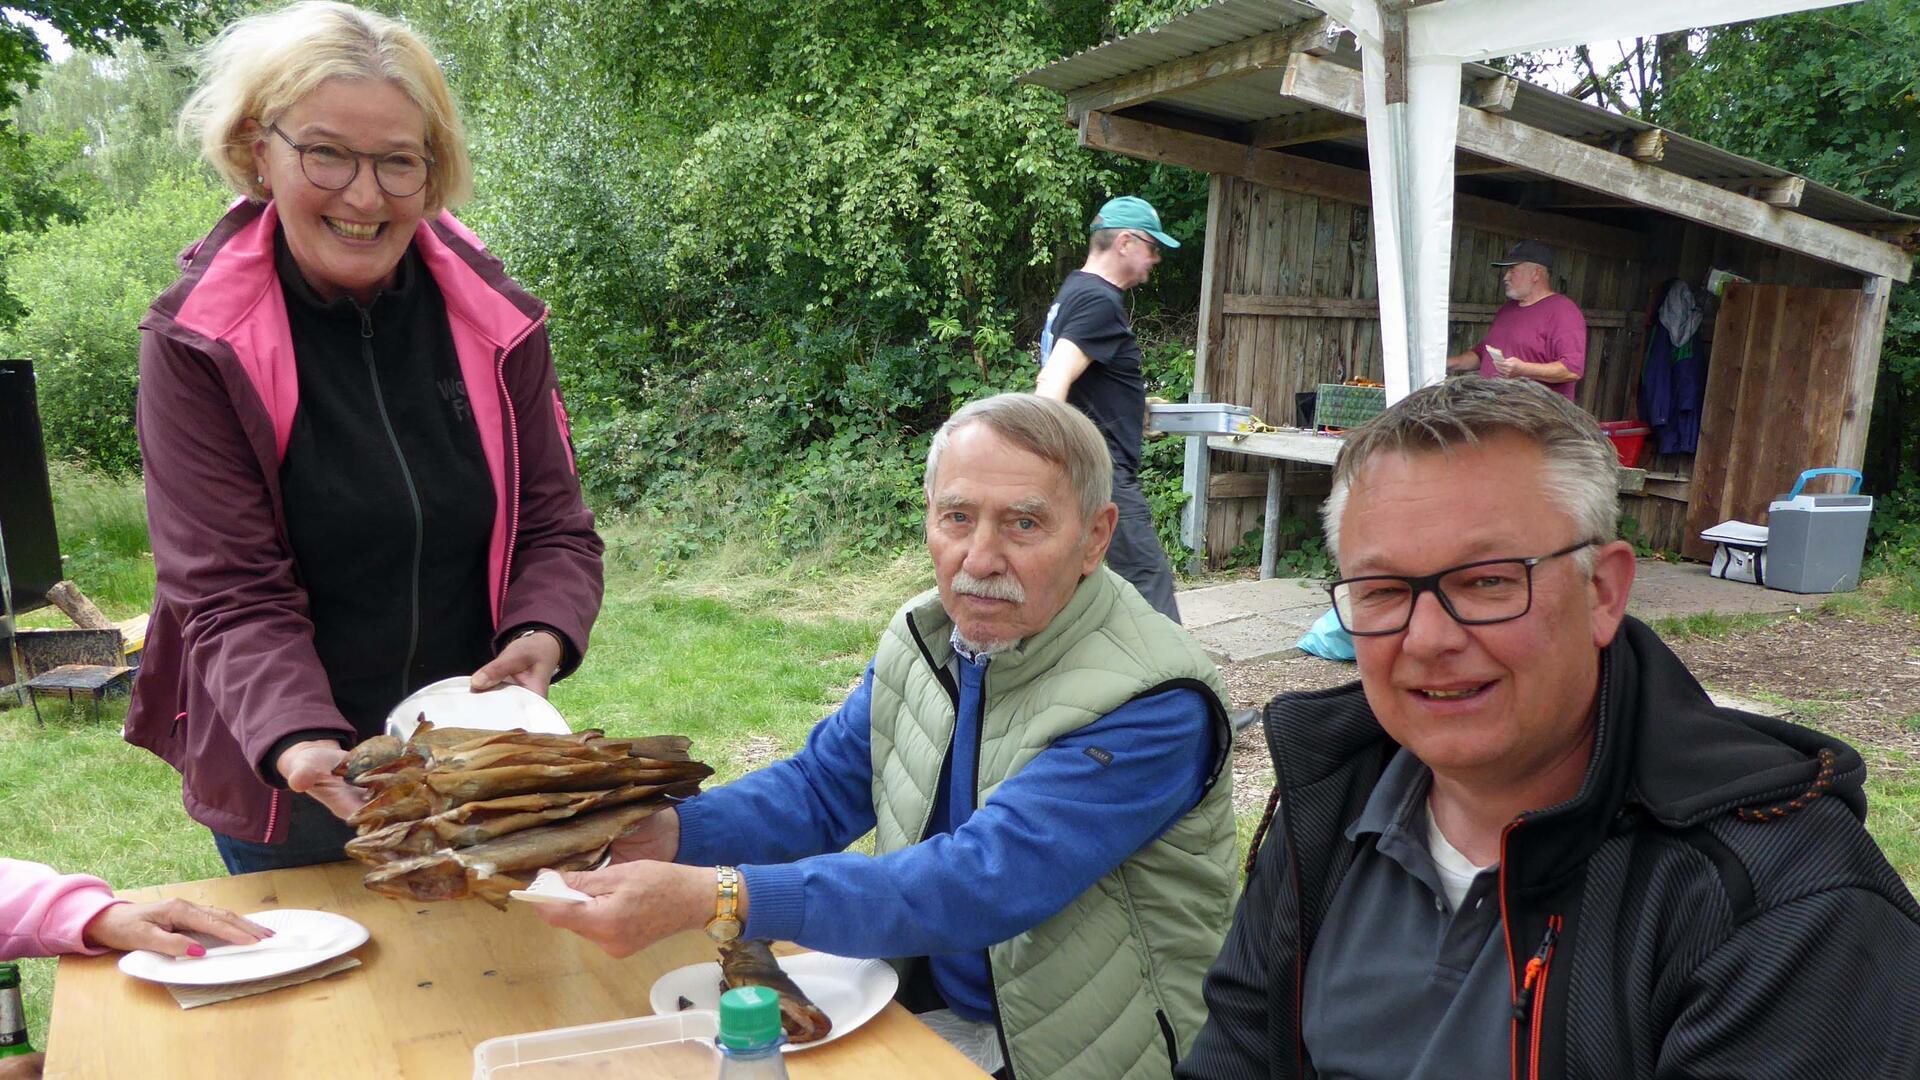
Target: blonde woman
x,y
358,472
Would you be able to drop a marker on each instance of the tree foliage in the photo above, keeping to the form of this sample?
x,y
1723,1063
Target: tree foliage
x,y
120,111
90,26
783,241
86,286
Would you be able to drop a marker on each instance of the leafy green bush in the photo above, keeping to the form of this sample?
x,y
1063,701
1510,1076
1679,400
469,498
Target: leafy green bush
x,y
86,287
787,245
1302,549
1167,364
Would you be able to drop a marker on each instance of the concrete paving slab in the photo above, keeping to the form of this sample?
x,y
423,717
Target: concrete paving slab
x,y
1253,637
1238,599
1252,620
1669,590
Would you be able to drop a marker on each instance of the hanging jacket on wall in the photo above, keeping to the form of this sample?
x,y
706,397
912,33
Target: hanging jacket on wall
x,y
1673,381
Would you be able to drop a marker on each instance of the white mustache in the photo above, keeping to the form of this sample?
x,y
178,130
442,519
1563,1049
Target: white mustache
x,y
997,587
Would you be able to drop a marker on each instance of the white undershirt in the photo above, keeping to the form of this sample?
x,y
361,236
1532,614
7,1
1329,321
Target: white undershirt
x,y
1456,870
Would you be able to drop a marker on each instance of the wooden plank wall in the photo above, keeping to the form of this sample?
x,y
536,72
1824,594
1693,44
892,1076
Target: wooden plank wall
x,y
1661,515
1298,288
1776,395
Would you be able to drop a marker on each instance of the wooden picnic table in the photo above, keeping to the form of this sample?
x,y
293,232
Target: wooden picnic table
x,y
435,980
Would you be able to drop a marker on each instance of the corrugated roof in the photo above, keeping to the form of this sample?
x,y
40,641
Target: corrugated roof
x,y
1195,32
1256,96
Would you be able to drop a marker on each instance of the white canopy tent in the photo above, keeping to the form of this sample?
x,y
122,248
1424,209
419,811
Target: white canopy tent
x,y
1411,55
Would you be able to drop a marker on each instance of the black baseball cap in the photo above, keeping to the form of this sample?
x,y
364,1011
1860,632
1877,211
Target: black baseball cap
x,y
1532,251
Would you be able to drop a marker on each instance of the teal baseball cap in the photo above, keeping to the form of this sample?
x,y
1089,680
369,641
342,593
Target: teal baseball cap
x,y
1133,212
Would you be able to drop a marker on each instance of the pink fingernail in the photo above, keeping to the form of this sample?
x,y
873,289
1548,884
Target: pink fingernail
x,y
196,949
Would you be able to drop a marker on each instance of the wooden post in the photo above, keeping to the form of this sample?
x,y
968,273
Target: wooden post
x,y
1869,330
1270,528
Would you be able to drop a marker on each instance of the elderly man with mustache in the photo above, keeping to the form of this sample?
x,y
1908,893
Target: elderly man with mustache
x,y
1036,753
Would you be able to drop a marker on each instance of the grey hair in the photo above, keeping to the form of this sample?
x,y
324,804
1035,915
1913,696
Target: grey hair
x,y
1050,430
1579,463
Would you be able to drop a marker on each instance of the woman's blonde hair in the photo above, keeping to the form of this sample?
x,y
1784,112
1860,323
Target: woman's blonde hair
x,y
260,66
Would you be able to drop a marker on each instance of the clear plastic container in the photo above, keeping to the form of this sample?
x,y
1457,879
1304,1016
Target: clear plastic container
x,y
676,1047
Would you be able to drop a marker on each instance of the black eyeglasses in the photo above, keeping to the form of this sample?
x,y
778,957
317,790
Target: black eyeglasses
x,y
331,166
1152,244
1474,594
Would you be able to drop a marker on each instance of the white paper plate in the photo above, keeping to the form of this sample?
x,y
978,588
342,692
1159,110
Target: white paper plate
x,y
448,703
301,939
849,991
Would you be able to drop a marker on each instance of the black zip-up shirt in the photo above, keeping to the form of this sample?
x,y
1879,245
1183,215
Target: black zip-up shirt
x,y
389,504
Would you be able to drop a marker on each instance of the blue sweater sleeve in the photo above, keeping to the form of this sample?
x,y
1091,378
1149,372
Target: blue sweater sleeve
x,y
820,799
1076,811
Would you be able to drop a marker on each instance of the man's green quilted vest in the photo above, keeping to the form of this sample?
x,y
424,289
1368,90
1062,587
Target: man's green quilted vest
x,y
1100,990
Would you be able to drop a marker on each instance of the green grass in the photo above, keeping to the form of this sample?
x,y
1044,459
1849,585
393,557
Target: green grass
x,y
1710,624
1893,811
102,522
1902,580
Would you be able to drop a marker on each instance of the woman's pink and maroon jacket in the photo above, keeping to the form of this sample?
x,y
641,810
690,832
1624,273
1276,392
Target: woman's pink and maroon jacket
x,y
230,667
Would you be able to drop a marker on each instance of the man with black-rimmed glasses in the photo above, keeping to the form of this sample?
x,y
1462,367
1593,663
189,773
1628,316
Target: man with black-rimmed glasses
x,y
1526,843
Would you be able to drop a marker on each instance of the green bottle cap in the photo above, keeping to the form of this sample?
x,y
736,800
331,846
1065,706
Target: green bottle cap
x,y
9,976
749,1016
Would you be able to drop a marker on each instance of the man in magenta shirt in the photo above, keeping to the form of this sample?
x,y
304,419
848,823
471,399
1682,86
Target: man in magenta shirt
x,y
1537,334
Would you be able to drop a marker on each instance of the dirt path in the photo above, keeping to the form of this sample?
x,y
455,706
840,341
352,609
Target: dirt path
x,y
1855,675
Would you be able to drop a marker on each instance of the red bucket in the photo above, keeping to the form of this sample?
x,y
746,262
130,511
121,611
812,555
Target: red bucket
x,y
1628,438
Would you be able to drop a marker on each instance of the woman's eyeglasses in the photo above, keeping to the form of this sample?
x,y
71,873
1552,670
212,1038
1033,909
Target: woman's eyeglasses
x,y
331,166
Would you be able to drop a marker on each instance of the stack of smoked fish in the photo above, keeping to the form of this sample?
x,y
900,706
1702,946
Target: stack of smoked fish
x,y
461,812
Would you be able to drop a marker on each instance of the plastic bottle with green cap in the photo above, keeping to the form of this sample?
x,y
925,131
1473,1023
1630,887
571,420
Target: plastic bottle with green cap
x,y
13,1015
750,1036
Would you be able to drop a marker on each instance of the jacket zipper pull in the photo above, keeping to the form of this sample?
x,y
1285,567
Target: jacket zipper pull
x,y
366,321
1535,965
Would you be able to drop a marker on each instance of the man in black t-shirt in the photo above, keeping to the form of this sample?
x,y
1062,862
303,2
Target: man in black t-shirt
x,y
1090,360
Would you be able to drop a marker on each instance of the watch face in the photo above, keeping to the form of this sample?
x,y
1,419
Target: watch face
x,y
723,929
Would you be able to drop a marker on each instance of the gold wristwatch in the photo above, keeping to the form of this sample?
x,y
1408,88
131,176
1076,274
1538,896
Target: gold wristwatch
x,y
725,924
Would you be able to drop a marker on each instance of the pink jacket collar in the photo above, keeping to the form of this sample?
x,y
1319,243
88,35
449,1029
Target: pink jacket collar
x,y
228,293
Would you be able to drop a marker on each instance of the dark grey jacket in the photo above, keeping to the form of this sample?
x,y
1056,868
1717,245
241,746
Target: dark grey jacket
x,y
1708,905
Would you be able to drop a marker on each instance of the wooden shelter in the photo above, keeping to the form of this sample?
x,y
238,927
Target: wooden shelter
x,y
1265,96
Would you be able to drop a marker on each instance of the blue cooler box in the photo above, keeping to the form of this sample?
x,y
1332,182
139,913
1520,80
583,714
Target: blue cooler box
x,y
1814,542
